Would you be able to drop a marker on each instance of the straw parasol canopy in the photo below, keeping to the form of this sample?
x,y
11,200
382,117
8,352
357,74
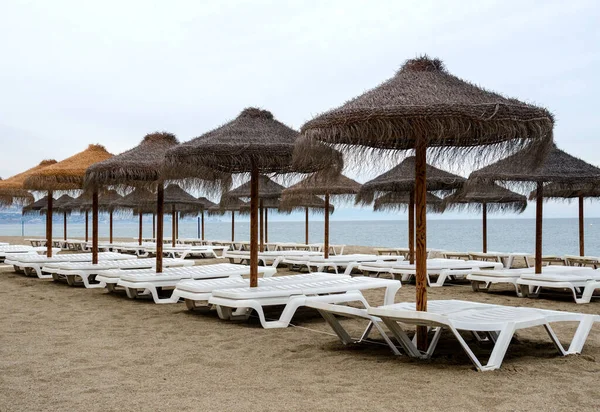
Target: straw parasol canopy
x,y
424,101
475,195
400,201
559,168
254,142
300,203
486,197
325,185
139,200
576,191
67,174
62,204
267,189
12,189
139,166
319,184
35,207
402,179
424,107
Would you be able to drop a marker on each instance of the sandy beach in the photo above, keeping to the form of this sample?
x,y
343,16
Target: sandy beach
x,y
66,348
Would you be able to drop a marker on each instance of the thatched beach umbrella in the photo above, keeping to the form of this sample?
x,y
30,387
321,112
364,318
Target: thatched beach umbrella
x,y
425,107
558,167
317,184
230,205
206,204
178,200
304,203
577,191
267,189
138,167
252,143
402,179
487,197
140,201
36,207
66,175
12,189
84,203
62,205
401,201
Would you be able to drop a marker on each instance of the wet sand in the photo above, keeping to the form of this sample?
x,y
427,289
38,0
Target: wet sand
x,y
66,348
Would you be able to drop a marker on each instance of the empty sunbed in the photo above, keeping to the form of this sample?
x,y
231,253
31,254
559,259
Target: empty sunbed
x,y
590,261
137,283
75,273
273,258
184,251
491,323
32,264
482,280
507,259
571,278
196,293
236,302
346,262
8,250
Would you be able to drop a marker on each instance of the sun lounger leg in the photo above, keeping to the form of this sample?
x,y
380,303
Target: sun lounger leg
x,y
390,294
581,335
403,339
504,338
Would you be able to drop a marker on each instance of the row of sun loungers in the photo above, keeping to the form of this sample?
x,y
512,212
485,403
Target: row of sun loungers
x,y
222,286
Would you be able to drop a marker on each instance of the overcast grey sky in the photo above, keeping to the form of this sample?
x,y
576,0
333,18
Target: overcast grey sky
x,y
77,72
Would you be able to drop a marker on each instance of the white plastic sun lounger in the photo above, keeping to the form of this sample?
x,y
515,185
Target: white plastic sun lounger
x,y
507,259
236,302
498,322
572,278
273,258
196,293
445,270
591,261
75,273
137,283
346,262
4,244
10,249
30,263
482,280
184,251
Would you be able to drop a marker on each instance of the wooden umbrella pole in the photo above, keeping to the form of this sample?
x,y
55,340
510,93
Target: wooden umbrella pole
x,y
154,226
484,234
254,227
176,226
539,200
233,226
86,226
421,235
306,225
411,227
267,225
64,225
140,229
49,225
326,235
110,226
160,196
581,229
202,221
173,223
95,227
262,222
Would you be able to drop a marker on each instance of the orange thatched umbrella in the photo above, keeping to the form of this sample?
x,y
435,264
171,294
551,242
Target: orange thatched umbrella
x,y
67,175
424,107
12,190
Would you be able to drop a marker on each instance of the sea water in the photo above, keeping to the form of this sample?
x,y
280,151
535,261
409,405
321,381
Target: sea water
x,y
560,236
